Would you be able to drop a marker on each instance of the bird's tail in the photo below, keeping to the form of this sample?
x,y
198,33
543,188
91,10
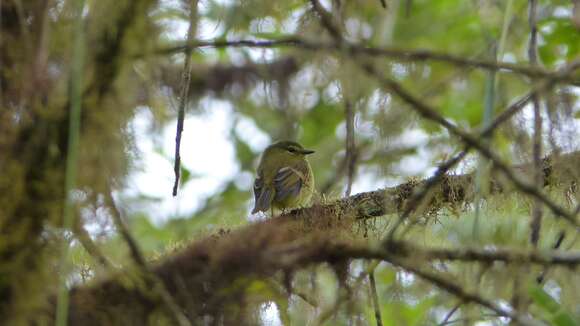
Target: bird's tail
x,y
263,201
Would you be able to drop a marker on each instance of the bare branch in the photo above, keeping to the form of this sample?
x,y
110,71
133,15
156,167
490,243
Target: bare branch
x,y
91,247
450,314
327,21
474,254
463,294
561,236
183,99
406,55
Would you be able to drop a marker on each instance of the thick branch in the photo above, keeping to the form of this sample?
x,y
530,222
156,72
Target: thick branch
x,y
197,276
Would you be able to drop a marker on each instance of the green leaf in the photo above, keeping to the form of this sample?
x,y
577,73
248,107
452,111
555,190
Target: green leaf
x,y
561,40
245,154
559,316
544,300
461,109
185,175
321,122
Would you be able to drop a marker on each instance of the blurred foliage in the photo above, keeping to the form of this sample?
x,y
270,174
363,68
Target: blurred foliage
x,y
303,99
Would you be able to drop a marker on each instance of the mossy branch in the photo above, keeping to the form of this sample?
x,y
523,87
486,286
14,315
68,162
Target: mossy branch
x,y
202,276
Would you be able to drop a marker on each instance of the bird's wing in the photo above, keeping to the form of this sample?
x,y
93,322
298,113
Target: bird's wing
x,y
262,195
288,182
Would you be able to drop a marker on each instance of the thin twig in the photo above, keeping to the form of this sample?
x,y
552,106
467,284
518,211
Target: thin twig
x,y
124,230
466,254
91,247
383,3
418,196
184,94
306,298
461,293
327,21
556,246
450,314
327,313
469,320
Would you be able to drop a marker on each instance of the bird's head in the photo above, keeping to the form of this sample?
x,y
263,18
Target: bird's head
x,y
286,149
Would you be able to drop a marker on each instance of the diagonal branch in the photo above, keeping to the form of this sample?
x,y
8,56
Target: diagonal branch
x,y
329,250
505,115
463,294
139,260
429,113
327,20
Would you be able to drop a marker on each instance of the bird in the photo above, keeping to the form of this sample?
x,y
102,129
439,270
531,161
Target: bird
x,y
284,178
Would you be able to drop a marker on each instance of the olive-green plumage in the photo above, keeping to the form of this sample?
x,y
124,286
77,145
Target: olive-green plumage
x,y
284,178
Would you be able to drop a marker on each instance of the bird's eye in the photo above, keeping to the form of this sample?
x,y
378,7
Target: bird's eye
x,y
292,150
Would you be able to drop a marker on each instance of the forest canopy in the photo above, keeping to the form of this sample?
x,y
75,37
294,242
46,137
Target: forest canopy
x,y
446,162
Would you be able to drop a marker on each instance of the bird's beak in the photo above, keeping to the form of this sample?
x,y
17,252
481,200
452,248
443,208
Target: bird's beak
x,y
306,151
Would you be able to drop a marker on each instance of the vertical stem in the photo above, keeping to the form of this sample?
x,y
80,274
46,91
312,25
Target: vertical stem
x,y
488,113
576,13
483,171
519,301
1,64
75,94
375,298
184,94
504,29
350,146
536,221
